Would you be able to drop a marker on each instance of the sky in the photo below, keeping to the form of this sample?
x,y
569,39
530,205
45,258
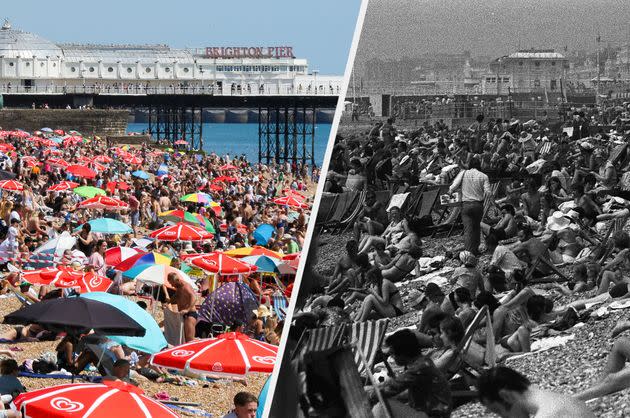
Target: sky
x,y
397,28
320,31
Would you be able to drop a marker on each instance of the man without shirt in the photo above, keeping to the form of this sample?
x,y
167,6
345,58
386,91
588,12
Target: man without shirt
x,y
185,299
508,393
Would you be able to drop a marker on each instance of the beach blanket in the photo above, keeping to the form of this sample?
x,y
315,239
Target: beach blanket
x,y
545,344
427,277
57,375
188,410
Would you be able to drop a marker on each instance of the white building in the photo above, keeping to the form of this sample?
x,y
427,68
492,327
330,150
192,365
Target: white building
x,y
529,71
29,63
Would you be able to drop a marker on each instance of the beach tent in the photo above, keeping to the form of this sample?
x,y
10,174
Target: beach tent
x,y
263,234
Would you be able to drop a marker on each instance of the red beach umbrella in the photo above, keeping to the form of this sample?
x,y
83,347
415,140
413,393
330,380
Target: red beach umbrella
x,y
64,185
218,262
81,171
230,354
181,232
96,400
12,185
103,202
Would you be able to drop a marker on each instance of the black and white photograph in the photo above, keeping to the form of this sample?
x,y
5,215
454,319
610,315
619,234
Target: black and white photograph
x,y
471,255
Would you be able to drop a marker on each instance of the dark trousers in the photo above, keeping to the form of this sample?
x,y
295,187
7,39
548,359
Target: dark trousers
x,y
472,212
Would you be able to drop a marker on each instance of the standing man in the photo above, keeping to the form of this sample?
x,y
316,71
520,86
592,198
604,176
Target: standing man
x,y
474,186
185,299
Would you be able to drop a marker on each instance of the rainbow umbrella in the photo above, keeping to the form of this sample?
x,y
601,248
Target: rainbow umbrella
x,y
268,264
197,198
143,259
252,251
181,216
205,222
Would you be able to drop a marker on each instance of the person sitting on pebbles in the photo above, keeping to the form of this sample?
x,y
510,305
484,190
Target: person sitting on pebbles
x,y
381,300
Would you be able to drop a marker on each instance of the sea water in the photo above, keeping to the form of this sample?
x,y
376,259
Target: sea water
x,y
242,138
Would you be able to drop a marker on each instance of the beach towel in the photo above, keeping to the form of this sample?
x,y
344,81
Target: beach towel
x,y
56,375
545,344
426,277
173,327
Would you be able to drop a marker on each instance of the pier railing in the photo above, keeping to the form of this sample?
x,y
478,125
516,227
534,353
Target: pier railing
x,y
143,90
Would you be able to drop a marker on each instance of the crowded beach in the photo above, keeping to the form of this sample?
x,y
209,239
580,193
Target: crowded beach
x,y
141,280
484,269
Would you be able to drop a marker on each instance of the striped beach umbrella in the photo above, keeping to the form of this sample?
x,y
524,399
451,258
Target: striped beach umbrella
x,y
181,232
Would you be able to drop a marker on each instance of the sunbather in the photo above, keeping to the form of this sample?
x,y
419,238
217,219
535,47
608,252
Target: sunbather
x,y
393,233
381,300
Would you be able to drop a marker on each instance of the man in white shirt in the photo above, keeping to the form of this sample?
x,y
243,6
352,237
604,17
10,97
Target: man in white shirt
x,y
474,186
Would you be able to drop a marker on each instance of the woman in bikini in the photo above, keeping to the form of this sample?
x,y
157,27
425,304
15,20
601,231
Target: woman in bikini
x,y
382,300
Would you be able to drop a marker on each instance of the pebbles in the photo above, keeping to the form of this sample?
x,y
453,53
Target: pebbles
x,y
216,398
567,369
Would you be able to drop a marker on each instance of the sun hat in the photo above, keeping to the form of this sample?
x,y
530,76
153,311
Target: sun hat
x,y
558,222
262,312
468,259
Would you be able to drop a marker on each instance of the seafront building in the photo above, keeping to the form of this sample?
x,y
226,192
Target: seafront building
x,y
32,64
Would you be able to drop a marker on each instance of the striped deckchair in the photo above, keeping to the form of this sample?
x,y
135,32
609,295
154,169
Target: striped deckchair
x,y
489,201
319,339
368,337
279,305
545,148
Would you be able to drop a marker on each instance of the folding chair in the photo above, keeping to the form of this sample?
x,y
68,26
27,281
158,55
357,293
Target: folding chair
x,y
346,203
24,298
280,304
461,372
367,338
427,202
330,342
348,221
327,206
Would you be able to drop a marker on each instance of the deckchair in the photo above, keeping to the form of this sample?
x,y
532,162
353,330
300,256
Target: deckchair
x,y
327,206
606,247
367,337
460,371
330,342
345,202
105,364
24,298
352,213
173,327
280,304
427,202
536,262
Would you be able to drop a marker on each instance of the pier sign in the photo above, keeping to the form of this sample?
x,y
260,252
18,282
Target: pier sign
x,y
250,52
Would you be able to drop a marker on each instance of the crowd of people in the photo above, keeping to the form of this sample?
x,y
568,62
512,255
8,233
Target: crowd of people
x,y
542,212
233,205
